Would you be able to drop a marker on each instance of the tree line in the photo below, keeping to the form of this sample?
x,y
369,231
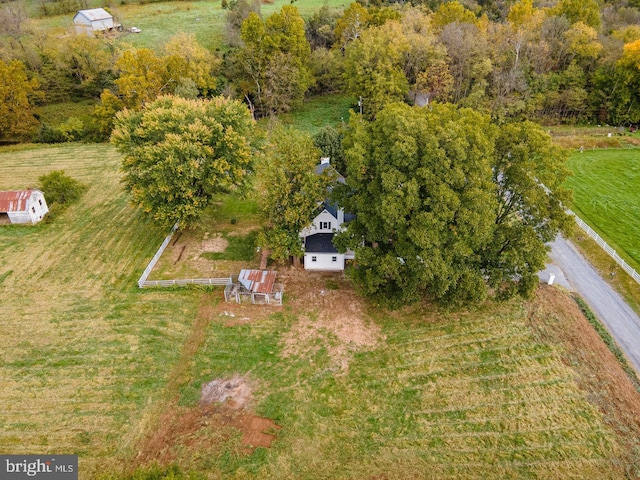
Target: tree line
x,y
564,61
454,199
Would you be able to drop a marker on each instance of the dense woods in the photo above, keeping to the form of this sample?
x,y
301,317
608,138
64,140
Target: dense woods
x,y
569,61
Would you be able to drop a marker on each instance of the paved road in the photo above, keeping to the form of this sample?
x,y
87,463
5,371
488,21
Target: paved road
x,y
578,274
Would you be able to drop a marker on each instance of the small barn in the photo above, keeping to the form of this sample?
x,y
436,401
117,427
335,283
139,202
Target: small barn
x,y
254,286
22,206
94,20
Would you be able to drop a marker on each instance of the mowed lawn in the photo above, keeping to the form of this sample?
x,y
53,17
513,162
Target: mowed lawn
x,y
83,353
606,186
90,364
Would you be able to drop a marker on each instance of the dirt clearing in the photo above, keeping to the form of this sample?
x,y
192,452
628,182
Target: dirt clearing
x,y
328,311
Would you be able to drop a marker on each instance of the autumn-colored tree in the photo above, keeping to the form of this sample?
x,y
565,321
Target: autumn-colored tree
x,y
273,63
187,60
142,77
585,11
373,67
17,92
349,27
178,154
452,12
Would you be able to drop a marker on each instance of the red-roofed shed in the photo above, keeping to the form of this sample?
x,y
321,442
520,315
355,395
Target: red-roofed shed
x,y
22,206
256,286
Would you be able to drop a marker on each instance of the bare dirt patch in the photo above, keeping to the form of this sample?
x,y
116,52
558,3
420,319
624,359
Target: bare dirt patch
x,y
234,392
556,317
215,244
328,309
222,413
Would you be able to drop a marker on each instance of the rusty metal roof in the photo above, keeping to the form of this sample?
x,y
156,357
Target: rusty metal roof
x,y
14,200
258,281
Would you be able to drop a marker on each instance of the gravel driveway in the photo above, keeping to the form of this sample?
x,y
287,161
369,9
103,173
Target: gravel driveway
x,y
573,271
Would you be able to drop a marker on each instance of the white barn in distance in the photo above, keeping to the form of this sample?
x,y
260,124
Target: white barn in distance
x,y
94,20
22,206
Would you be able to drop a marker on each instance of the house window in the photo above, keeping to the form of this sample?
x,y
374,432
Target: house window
x,y
325,225
314,259
334,259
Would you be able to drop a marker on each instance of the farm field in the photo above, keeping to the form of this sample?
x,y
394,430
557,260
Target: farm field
x,y
159,21
606,196
324,387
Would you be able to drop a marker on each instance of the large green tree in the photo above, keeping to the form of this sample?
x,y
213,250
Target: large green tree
x,y
290,190
179,153
446,205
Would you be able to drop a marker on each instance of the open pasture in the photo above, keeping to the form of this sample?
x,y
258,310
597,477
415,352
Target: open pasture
x,y
90,364
83,353
606,186
159,21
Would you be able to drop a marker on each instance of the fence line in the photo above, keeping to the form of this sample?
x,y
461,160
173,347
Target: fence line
x,y
189,281
156,257
610,251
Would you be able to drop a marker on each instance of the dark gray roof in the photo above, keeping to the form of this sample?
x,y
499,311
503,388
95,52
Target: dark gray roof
x,y
323,166
320,243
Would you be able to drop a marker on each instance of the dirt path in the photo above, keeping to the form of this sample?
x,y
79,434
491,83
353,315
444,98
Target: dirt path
x,y
608,305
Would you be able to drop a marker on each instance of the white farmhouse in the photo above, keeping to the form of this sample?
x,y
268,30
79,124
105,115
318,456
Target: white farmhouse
x,y
22,206
93,20
319,251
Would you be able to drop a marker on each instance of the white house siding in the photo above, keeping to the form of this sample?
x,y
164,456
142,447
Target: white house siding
x,y
327,262
324,218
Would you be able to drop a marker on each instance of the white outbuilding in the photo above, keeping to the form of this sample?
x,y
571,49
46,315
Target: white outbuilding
x,y
93,20
22,206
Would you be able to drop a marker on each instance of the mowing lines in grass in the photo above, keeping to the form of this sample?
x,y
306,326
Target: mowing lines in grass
x,y
84,352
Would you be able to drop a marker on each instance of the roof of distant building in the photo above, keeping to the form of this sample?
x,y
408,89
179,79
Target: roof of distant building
x,y
15,200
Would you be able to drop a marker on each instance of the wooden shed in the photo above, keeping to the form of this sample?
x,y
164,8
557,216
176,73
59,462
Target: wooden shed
x,y
254,286
92,21
22,206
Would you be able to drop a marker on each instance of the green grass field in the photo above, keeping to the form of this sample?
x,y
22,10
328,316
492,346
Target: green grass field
x,y
83,353
606,185
88,362
159,21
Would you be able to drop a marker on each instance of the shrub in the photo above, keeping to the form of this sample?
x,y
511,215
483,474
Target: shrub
x,y
60,189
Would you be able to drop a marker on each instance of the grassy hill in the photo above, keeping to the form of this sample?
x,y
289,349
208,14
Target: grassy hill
x,y
90,364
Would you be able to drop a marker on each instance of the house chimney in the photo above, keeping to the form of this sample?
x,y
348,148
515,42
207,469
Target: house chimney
x,y
324,160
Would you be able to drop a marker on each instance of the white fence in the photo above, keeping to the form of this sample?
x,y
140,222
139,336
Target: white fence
x,y
143,282
156,257
612,253
181,283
